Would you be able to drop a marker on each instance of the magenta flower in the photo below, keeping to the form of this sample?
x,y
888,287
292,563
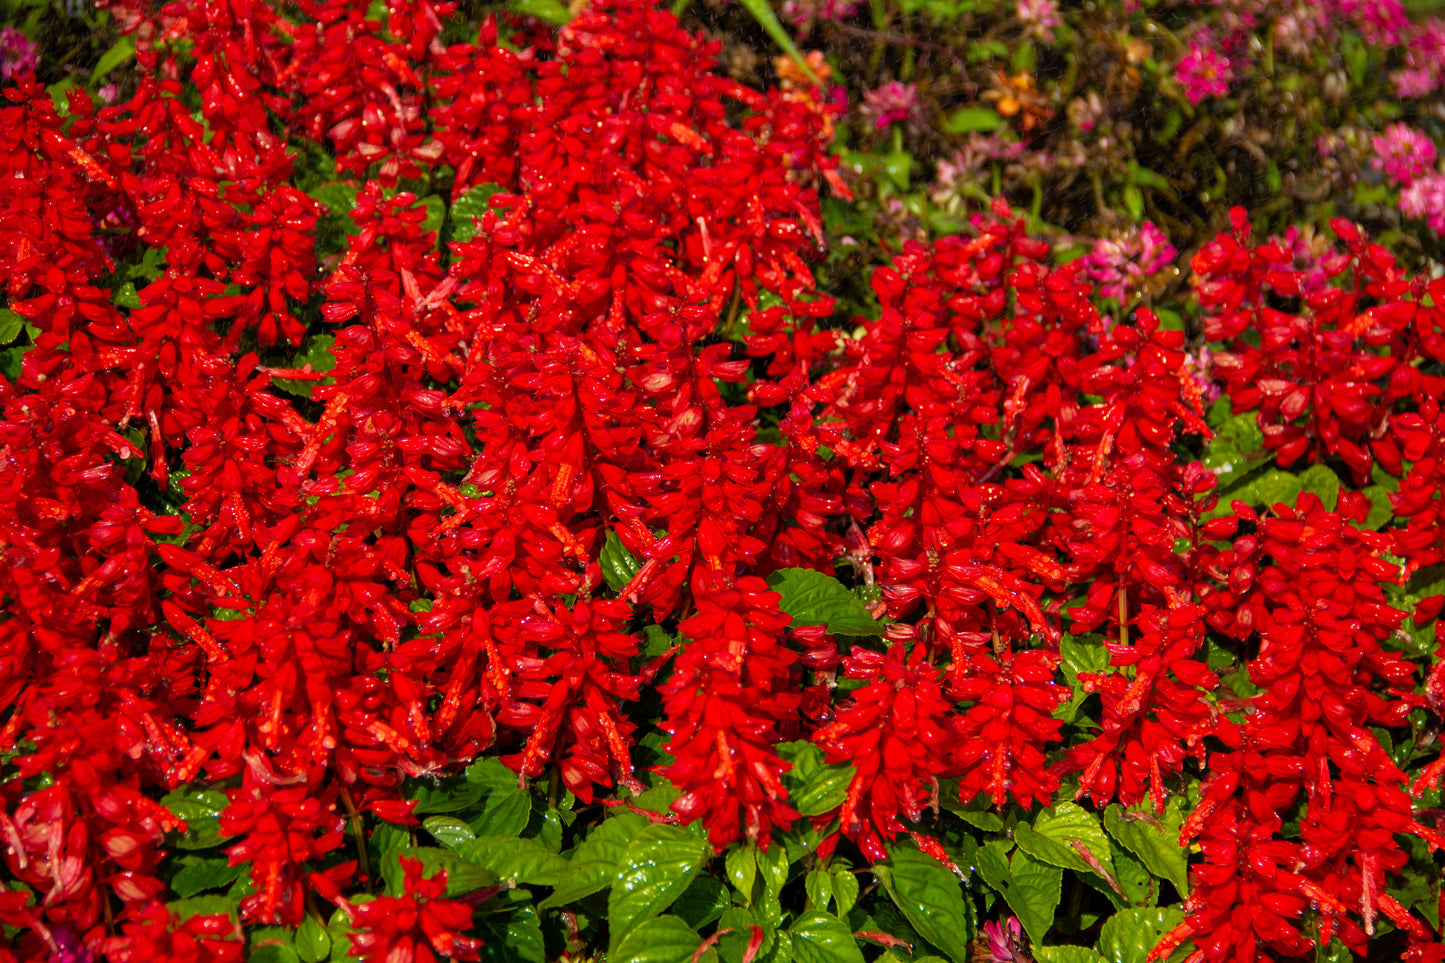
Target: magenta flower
x,y
1005,941
1425,200
1203,72
1040,17
1116,264
1403,153
18,54
891,103
805,13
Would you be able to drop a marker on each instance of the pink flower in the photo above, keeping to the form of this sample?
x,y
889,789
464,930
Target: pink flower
x,y
891,103
1117,263
805,13
1425,201
1005,941
1403,153
1424,61
1203,72
1040,17
18,54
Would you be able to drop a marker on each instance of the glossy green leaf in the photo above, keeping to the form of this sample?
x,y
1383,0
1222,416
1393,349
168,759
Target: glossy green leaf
x,y
1129,935
813,598
659,864
818,884
313,942
741,866
1079,654
1030,888
618,564
521,860
704,900
204,906
845,890
470,206
1321,481
1154,840
1058,830
823,938
595,862
451,796
1066,954
316,356
448,830
339,930
773,871
814,787
120,52
200,809
198,873
11,324
504,814
666,939
515,935
930,898
463,876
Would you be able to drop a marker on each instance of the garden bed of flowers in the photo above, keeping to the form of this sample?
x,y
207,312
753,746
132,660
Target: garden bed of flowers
x,y
923,480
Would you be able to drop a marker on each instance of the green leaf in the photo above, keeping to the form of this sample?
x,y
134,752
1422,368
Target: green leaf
x,y
450,831
339,928
1066,954
511,858
703,902
741,866
313,943
814,787
547,11
125,296
505,814
1129,935
1134,202
1321,481
514,936
845,890
1030,888
1155,842
436,213
1272,488
315,356
11,324
463,876
813,598
1080,654
773,871
469,207
659,864
595,861
200,809
198,873
930,899
763,14
1056,830
970,119
818,884
204,906
452,795
823,938
618,564
121,51
666,939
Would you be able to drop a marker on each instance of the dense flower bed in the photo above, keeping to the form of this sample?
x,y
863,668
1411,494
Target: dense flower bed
x,y
446,516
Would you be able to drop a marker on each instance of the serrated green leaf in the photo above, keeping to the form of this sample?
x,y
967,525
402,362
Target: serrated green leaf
x,y
514,936
463,876
1079,654
814,786
930,898
1319,480
595,861
316,356
450,796
198,873
448,830
200,809
618,564
666,939
813,598
818,884
511,858
773,871
204,906
1030,888
1272,488
313,943
659,864
823,938
1155,842
339,929
1129,935
1055,832
845,890
491,775
704,900
436,213
468,207
505,814
1066,954
741,866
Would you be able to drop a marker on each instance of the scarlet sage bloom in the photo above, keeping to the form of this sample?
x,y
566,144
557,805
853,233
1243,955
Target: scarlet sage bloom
x,y
418,927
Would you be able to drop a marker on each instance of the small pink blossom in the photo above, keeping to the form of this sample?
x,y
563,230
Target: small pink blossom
x,y
891,103
1200,368
1425,200
805,13
1005,941
1116,264
1203,72
18,54
1040,17
1403,153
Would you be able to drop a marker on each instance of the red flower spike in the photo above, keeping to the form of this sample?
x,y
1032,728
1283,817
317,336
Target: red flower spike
x,y
420,926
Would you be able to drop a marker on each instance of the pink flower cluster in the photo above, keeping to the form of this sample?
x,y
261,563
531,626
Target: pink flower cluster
x,y
891,103
1403,153
1039,18
1203,72
1117,263
18,54
1425,200
805,13
1424,70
